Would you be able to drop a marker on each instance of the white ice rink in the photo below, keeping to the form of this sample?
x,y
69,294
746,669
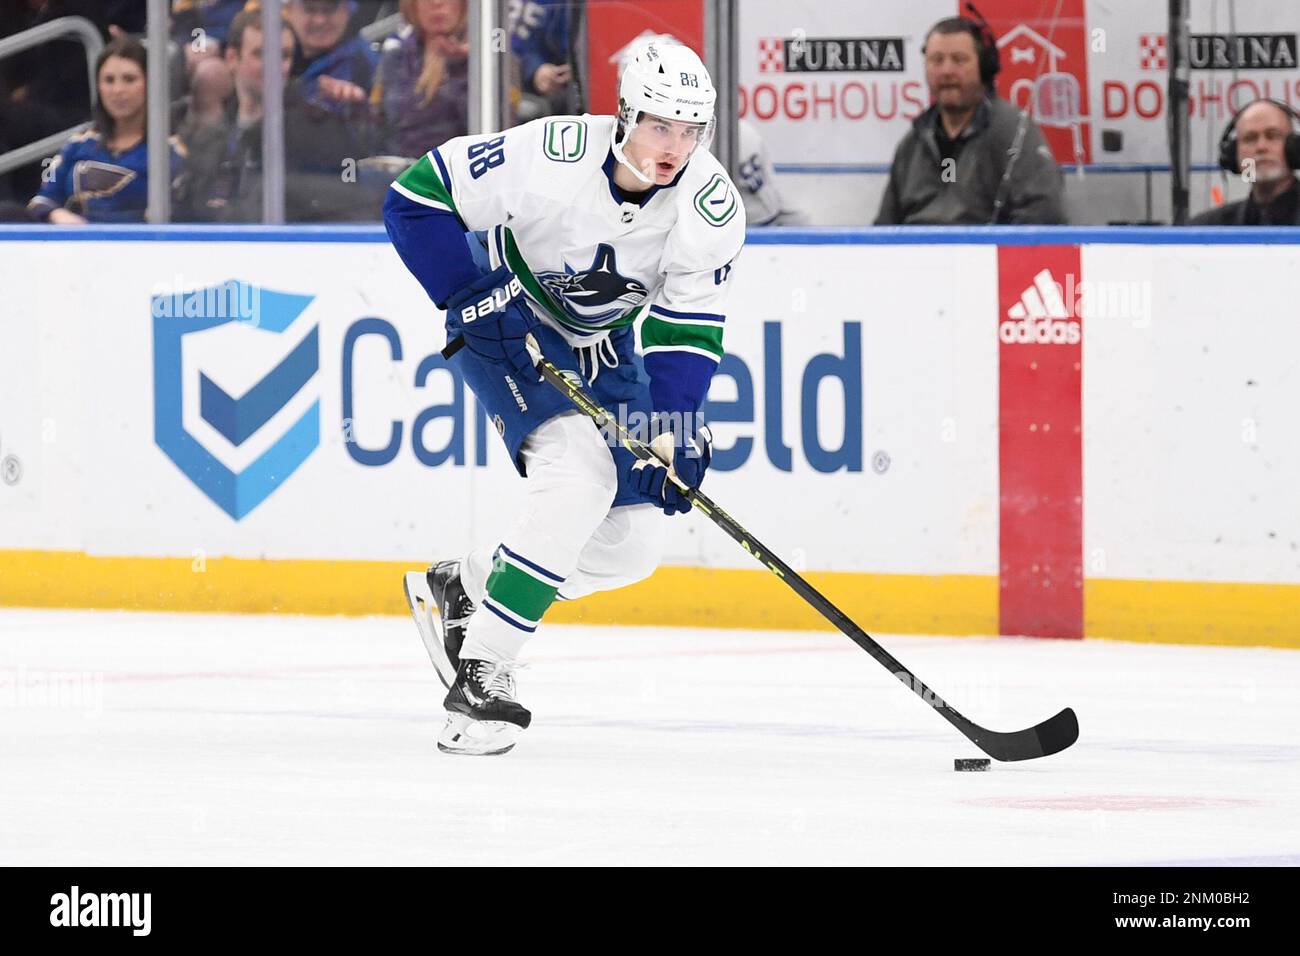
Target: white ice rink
x,y
176,739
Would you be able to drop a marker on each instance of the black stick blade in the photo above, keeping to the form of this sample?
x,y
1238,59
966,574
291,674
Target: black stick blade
x,y
1051,736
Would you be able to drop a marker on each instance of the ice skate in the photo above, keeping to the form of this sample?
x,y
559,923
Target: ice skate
x,y
441,611
483,717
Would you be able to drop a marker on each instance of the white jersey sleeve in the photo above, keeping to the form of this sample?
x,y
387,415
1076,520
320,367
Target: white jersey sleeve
x,y
681,336
483,179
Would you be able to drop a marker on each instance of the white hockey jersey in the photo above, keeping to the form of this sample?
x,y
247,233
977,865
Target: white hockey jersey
x,y
764,203
590,261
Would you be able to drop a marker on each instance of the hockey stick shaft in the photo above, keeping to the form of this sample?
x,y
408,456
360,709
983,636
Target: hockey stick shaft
x,y
995,744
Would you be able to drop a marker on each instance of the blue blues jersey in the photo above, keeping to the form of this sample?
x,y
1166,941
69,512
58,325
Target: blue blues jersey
x,y
99,184
541,35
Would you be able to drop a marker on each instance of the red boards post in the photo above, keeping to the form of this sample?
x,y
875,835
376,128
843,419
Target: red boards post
x,y
611,26
1044,51
1040,444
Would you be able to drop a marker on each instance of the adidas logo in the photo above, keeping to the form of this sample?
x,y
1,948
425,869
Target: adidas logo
x,y
1040,316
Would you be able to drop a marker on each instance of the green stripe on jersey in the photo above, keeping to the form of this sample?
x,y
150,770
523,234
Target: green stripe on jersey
x,y
707,336
422,178
537,292
518,591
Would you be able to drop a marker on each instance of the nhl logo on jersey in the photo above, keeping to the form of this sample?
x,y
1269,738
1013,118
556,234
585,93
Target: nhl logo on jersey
x,y
565,141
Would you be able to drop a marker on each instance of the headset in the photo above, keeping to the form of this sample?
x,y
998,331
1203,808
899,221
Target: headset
x,y
1228,142
990,60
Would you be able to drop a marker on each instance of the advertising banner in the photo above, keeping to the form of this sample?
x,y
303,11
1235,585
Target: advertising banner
x,y
837,82
261,425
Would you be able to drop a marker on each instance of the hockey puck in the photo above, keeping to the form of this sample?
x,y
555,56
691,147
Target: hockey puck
x,y
971,763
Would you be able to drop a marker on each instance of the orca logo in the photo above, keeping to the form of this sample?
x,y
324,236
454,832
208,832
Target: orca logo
x,y
237,441
597,294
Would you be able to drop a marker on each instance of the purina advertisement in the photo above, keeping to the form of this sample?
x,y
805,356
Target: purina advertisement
x,y
839,82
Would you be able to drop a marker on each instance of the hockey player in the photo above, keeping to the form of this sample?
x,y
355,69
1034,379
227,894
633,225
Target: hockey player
x,y
570,232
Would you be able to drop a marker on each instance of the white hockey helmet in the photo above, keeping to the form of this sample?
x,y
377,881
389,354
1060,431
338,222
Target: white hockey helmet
x,y
665,78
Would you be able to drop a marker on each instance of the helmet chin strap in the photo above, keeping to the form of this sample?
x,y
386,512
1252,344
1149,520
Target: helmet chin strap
x,y
617,148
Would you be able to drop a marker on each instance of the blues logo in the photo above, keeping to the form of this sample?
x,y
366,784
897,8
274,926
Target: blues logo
x,y
232,408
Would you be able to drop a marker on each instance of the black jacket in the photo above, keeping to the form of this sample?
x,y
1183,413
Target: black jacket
x,y
917,193
1284,210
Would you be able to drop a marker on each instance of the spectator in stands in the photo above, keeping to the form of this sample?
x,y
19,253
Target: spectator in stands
x,y
1260,143
224,118
952,166
764,203
199,29
421,92
320,147
43,89
203,117
102,174
337,66
210,19
544,42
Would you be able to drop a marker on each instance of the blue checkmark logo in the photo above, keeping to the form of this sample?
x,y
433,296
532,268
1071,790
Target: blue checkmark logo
x,y
235,418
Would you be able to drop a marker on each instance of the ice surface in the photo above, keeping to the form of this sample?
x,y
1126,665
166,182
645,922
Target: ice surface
x,y
132,738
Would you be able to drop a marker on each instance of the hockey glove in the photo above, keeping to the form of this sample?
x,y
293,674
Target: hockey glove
x,y
493,317
690,460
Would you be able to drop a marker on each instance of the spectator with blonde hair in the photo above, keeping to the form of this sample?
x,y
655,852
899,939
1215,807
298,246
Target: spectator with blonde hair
x,y
421,95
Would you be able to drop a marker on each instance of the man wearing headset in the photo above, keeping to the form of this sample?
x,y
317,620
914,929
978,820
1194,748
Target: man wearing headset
x,y
1261,146
970,158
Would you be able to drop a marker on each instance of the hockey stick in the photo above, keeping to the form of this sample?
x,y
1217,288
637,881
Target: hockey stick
x,y
1051,736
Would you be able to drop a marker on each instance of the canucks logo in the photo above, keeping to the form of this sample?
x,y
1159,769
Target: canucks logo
x,y
596,294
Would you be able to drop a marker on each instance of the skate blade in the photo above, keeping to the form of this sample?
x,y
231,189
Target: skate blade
x,y
477,738
424,610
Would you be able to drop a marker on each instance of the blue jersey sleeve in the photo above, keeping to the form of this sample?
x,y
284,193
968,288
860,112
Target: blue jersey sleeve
x,y
431,244
56,187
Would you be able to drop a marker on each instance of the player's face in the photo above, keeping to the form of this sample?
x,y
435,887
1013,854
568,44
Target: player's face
x,y
121,88
952,71
1261,142
660,147
320,24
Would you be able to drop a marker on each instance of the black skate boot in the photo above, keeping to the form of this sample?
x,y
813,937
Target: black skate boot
x,y
483,717
441,610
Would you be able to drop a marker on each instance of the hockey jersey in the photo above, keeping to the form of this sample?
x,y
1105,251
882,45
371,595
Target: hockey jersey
x,y
591,260
98,183
764,203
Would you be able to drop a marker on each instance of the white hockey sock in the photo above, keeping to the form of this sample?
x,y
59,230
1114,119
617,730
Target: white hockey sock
x,y
626,548
570,486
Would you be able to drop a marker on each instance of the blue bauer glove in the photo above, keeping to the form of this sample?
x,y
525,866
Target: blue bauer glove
x,y
493,317
690,460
